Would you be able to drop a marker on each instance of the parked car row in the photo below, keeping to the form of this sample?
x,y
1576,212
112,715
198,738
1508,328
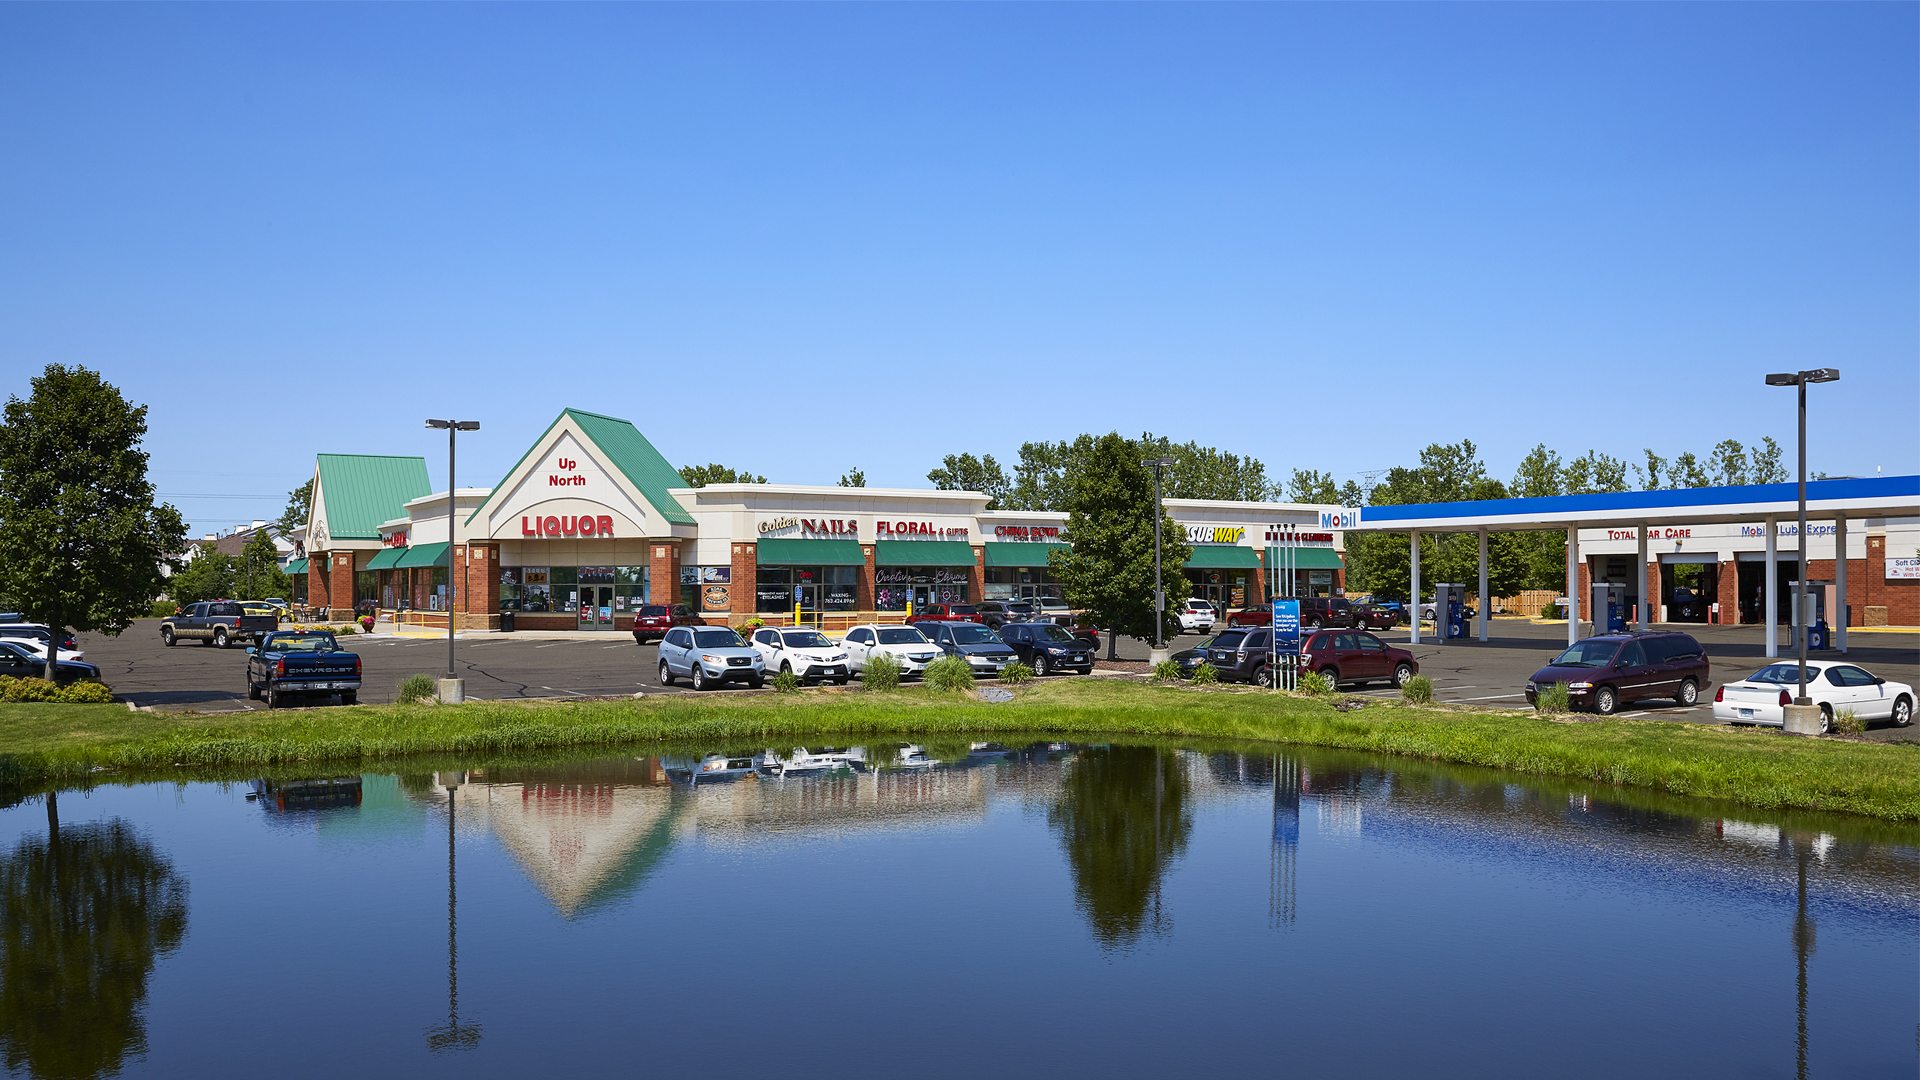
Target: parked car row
x,y
709,656
1352,658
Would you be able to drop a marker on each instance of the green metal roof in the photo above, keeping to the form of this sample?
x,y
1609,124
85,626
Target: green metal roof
x,y
1307,558
1223,558
1021,553
296,566
811,553
922,553
387,559
423,555
627,450
362,490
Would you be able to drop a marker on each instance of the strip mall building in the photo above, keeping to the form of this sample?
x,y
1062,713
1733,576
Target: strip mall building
x,y
593,522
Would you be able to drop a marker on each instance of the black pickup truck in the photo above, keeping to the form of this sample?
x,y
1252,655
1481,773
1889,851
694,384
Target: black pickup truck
x,y
216,622
301,662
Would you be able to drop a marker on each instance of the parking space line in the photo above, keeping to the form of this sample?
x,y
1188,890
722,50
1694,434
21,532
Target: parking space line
x,y
1489,697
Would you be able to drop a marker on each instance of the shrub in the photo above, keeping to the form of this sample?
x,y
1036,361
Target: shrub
x,y
413,688
1551,699
1315,683
1418,690
1166,671
1848,722
1552,611
1205,675
883,673
161,609
79,693
785,682
743,630
949,673
1015,673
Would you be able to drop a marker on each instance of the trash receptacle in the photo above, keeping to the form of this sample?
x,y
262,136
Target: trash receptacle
x,y
506,622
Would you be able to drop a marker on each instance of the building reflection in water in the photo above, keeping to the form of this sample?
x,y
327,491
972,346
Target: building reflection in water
x,y
1123,815
84,914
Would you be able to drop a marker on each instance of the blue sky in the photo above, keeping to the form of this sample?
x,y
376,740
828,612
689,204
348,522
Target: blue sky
x,y
805,238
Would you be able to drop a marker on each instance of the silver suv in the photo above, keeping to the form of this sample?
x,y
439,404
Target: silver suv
x,y
709,656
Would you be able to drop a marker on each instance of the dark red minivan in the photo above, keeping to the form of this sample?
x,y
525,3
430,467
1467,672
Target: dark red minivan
x,y
1355,656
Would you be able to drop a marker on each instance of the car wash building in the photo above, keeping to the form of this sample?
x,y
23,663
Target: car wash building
x,y
592,523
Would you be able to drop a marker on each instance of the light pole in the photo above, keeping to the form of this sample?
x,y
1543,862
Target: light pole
x,y
452,690
1801,379
1159,652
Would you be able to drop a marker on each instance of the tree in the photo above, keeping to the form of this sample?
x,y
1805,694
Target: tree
x,y
702,475
1202,472
1728,464
1766,463
1109,568
204,575
1593,474
84,915
1124,815
1313,486
1686,472
1649,476
1382,562
299,510
964,472
853,478
257,571
81,541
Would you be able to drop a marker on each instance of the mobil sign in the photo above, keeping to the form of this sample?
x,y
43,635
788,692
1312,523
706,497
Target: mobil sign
x,y
1340,519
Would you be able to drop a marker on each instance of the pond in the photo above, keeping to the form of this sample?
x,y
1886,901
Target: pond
x,y
1029,909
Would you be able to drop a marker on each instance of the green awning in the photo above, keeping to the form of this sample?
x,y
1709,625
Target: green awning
x,y
1224,558
1307,558
423,555
296,566
922,553
387,559
810,553
1020,553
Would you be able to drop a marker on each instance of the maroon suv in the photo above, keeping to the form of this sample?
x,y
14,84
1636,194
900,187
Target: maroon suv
x,y
1355,656
1605,672
652,621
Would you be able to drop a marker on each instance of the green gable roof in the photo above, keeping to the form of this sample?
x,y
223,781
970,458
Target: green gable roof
x,y
627,450
362,490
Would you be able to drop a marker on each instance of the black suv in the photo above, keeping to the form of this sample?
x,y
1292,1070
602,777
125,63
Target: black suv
x,y
1244,655
1047,646
1317,612
992,614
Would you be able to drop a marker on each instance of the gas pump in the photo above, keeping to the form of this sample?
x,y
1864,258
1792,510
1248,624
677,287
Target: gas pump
x,y
1609,607
1448,614
1812,614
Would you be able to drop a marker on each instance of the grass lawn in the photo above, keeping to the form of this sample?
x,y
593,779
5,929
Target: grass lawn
x,y
42,745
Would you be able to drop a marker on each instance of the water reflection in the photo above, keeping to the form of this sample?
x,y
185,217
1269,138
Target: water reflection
x,y
454,1034
1123,817
84,913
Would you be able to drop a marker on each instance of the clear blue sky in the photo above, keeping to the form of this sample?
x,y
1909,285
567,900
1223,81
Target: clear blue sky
x,y
803,238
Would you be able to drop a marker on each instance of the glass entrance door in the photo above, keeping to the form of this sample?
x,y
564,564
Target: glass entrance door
x,y
596,607
809,599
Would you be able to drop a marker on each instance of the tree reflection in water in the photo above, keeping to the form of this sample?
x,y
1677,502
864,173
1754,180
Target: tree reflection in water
x,y
1123,815
84,913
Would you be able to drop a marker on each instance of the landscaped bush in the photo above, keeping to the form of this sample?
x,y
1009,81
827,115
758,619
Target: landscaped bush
x,y
1316,684
1848,722
1551,699
882,673
1015,673
785,681
1205,675
1166,671
161,609
949,673
415,688
1418,690
79,693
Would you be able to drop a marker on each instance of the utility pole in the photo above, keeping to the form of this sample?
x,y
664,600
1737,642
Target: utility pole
x,y
453,690
1159,653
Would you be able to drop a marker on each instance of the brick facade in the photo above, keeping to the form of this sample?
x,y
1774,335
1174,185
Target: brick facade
x,y
664,571
339,582
745,594
1899,599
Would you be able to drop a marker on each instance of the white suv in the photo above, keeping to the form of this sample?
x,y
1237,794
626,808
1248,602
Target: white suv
x,y
804,651
1196,617
906,644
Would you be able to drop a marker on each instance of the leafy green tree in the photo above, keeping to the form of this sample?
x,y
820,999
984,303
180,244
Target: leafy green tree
x,y
853,478
81,541
702,475
204,575
1687,473
1382,562
1124,814
1313,486
1648,476
1202,472
299,510
84,915
257,573
1727,465
964,472
1109,568
1766,463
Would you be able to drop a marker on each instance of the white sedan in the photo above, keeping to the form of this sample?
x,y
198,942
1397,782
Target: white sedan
x,y
804,651
39,648
906,644
1762,698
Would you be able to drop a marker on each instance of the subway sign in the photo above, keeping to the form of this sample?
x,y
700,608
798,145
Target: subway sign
x,y
1215,534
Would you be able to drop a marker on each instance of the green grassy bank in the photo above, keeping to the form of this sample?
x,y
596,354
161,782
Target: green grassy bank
x,y
43,745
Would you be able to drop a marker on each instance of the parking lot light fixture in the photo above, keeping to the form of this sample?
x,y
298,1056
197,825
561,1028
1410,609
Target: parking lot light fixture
x,y
1801,379
451,689
1159,652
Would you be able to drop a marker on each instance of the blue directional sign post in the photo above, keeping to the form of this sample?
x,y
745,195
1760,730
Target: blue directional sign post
x,y
1286,627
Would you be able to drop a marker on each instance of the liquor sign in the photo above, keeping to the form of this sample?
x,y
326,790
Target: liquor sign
x,y
1286,627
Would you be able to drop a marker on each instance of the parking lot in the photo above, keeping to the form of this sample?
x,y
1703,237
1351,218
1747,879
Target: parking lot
x,y
1491,675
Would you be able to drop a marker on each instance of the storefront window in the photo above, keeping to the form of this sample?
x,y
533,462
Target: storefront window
x,y
897,586
366,587
436,581
821,588
632,587
1016,582
558,588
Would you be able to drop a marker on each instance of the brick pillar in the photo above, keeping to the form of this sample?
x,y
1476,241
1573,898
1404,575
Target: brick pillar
x,y
1729,593
340,584
478,588
745,593
1586,595
317,578
977,576
665,572
863,591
